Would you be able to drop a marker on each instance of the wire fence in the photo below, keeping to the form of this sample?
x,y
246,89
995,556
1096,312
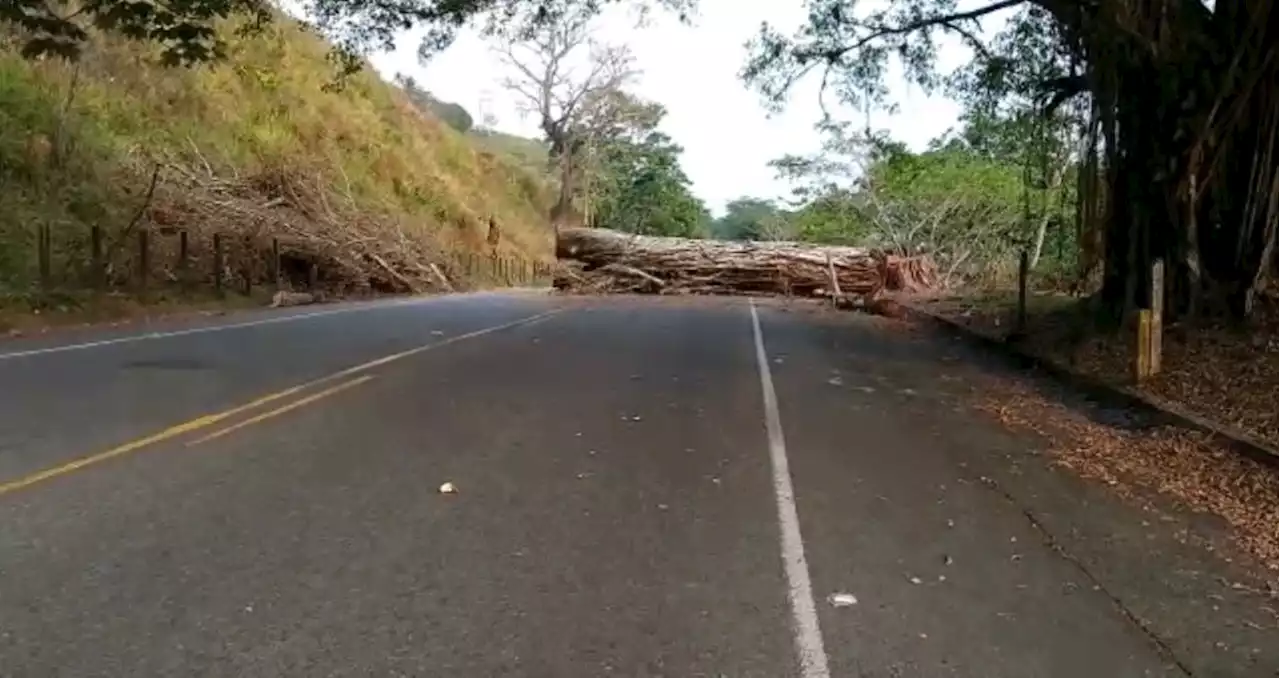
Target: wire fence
x,y
149,260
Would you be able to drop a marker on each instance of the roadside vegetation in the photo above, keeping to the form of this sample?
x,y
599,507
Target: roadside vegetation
x,y
257,143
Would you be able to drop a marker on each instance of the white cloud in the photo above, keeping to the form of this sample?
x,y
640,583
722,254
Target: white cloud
x,y
692,70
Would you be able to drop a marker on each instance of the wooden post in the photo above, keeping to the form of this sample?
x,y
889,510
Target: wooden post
x,y
275,263
1024,270
247,267
44,252
1151,328
217,263
144,259
313,277
98,274
1142,362
184,258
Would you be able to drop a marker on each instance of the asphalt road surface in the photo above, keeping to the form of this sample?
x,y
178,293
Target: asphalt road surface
x,y
643,488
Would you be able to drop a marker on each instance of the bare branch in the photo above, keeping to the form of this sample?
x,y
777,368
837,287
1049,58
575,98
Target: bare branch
x,y
545,78
878,30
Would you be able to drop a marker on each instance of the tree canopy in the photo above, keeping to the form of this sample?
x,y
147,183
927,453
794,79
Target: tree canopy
x,y
1172,106
186,31
642,189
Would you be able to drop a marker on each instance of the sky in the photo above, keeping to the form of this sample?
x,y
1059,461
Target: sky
x,y
692,69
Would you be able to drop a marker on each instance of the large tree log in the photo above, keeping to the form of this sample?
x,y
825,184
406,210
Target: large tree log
x,y
683,265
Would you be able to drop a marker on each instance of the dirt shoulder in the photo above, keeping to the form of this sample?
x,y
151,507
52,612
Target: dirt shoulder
x,y
1224,375
69,312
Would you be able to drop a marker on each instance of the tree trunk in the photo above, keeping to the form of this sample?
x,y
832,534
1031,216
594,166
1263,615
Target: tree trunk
x,y
612,261
1192,165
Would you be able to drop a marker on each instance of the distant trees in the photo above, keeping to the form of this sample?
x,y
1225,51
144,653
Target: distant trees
x,y
747,218
572,106
614,167
453,115
642,188
963,201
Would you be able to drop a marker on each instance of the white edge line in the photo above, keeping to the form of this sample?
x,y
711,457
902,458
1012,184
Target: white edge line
x,y
211,328
804,613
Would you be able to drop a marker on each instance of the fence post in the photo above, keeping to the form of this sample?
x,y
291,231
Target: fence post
x,y
247,267
184,259
275,263
98,274
44,252
1024,270
217,263
1149,356
144,259
1142,359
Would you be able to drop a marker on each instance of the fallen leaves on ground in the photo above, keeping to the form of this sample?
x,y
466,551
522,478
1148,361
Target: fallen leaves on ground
x,y
1227,375
1171,462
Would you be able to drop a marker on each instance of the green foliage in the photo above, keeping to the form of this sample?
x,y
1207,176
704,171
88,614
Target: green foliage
x,y
643,190
187,32
1003,181
961,202
747,218
632,180
834,218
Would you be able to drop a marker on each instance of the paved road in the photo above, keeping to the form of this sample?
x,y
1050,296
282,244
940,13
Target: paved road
x,y
644,488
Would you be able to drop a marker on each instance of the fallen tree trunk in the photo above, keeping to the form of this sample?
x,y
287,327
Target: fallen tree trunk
x,y
610,261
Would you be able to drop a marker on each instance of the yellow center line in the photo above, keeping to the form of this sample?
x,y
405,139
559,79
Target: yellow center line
x,y
171,432
208,420
281,410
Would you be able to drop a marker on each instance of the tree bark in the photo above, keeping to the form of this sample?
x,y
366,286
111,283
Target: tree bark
x,y
684,265
1191,160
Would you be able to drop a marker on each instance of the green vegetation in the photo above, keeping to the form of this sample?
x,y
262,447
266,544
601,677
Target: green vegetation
x,y
640,188
612,165
966,201
255,141
1169,109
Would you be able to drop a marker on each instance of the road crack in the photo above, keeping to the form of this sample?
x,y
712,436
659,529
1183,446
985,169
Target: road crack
x,y
1165,650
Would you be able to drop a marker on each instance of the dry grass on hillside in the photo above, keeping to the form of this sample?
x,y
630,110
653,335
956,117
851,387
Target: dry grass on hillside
x,y
253,146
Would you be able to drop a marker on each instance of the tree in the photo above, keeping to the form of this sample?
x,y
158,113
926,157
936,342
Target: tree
x,y
572,109
1005,120
1178,152
187,31
643,190
745,218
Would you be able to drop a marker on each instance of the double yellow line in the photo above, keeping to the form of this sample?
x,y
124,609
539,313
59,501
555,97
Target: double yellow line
x,y
209,420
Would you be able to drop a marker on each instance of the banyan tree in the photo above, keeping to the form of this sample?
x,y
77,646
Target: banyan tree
x,y
1178,102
